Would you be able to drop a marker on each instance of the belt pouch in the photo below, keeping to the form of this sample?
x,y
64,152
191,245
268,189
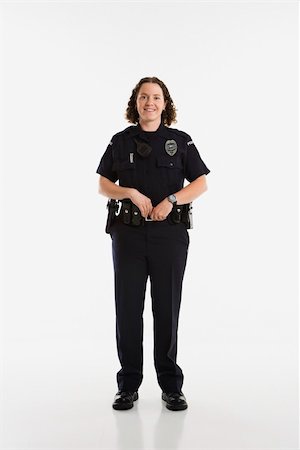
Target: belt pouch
x,y
126,212
136,216
184,215
176,213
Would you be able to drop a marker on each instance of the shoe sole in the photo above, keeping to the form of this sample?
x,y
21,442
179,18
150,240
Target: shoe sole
x,y
176,408
121,406
172,407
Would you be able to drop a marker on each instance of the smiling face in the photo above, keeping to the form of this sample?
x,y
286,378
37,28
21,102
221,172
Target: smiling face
x,y
150,104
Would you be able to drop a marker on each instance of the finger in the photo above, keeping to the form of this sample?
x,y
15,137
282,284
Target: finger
x,y
146,209
149,208
152,214
142,209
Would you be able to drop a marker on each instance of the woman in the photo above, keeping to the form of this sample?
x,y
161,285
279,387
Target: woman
x,y
149,235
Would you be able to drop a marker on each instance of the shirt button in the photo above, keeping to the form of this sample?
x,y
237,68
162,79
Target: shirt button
x,y
171,164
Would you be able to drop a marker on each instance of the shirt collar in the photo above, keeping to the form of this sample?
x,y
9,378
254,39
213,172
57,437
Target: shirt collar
x,y
162,130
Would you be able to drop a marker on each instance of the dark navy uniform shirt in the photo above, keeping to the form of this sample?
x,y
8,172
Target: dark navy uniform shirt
x,y
162,172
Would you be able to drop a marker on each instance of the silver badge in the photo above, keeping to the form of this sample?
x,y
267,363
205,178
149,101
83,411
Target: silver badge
x,y
171,147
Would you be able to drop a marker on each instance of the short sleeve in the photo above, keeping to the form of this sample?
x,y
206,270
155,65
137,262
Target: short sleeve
x,y
194,165
105,167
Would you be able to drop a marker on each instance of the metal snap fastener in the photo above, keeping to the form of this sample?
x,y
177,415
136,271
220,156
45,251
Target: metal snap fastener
x,y
171,164
135,213
126,210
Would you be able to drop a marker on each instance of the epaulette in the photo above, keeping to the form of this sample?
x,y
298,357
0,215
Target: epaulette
x,y
126,130
129,131
180,133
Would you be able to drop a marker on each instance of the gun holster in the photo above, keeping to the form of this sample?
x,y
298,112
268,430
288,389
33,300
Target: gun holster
x,y
112,206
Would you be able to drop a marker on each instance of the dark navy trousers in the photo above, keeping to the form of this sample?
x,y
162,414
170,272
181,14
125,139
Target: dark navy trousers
x,y
157,250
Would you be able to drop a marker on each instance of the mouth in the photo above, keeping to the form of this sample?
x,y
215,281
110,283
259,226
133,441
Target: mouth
x,y
149,110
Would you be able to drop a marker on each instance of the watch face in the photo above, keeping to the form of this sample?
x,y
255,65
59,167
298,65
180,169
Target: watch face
x,y
172,198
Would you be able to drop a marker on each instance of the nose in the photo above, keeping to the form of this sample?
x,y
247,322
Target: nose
x,y
149,101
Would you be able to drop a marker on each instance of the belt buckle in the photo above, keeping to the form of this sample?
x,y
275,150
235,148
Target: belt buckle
x,y
148,219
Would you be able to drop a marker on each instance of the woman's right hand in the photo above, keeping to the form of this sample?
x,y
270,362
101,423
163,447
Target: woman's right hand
x,y
141,201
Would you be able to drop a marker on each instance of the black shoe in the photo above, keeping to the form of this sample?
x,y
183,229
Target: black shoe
x,y
176,401
124,399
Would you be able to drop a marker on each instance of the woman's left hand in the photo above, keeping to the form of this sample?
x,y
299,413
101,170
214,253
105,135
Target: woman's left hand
x,y
161,210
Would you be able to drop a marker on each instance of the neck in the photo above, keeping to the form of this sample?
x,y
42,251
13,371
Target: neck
x,y
149,126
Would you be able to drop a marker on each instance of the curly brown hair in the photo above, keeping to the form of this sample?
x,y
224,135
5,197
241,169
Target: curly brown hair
x,y
168,114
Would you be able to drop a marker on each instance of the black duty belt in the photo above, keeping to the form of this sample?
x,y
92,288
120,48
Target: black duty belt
x,y
128,213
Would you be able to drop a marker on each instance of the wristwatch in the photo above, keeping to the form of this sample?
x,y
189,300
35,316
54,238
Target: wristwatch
x,y
172,199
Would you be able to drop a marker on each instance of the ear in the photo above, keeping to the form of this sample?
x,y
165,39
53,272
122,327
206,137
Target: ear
x,y
165,104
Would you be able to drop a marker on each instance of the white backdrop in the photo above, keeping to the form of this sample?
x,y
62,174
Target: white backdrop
x,y
68,69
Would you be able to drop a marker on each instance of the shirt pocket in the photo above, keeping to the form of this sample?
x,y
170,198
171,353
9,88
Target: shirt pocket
x,y
125,171
171,168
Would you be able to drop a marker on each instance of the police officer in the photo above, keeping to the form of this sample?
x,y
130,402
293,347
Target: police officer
x,y
149,234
